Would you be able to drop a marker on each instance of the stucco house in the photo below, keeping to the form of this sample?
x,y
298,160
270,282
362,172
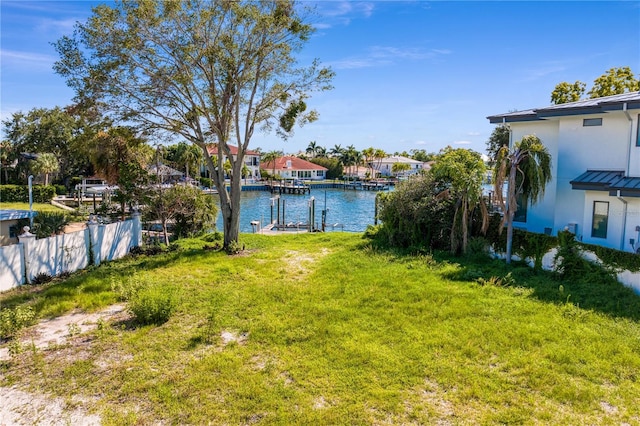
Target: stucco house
x,y
384,167
595,150
251,160
290,167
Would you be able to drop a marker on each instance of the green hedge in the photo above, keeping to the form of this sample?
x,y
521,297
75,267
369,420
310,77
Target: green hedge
x,y
20,193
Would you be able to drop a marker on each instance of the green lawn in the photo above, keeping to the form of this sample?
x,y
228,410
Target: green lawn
x,y
331,331
40,207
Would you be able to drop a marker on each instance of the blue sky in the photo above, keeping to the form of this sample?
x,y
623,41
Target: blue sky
x,y
409,75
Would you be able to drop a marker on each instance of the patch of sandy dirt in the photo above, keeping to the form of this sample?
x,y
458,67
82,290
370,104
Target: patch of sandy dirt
x,y
19,407
26,408
57,331
300,264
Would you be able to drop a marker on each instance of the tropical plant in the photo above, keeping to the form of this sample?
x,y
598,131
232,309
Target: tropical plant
x,y
200,70
311,149
399,168
45,164
463,172
46,224
526,170
270,158
336,151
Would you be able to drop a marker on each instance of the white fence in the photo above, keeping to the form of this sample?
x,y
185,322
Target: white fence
x,y
627,278
22,262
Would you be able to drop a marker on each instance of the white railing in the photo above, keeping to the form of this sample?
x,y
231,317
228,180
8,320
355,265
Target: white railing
x,y
21,263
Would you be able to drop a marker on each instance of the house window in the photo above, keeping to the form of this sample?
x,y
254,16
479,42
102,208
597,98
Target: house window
x,y
638,131
600,219
521,211
588,122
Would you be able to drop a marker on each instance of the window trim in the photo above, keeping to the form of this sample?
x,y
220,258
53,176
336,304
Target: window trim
x,y
638,131
597,232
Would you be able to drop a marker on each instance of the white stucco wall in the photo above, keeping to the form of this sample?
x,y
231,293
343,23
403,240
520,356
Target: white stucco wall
x,y
11,267
575,149
541,215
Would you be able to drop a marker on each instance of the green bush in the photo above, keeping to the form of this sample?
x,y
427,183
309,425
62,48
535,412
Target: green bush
x,y
46,224
13,320
20,193
60,189
206,182
153,304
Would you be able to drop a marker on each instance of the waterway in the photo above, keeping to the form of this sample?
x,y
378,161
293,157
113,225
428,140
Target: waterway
x,y
347,210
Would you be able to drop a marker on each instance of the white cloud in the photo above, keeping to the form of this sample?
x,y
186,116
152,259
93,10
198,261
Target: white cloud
x,y
462,143
421,143
26,59
385,55
473,134
56,26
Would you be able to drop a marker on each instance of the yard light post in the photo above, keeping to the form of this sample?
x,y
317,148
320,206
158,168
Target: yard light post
x,y
31,201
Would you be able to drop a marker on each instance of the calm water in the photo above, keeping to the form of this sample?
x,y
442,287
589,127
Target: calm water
x,y
352,210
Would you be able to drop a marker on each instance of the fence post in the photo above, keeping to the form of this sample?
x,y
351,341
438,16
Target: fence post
x,y
137,229
95,239
27,239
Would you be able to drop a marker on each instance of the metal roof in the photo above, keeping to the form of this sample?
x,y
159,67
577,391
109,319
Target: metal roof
x,y
11,214
585,106
611,181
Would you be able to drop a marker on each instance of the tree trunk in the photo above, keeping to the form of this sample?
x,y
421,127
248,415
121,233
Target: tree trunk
x,y
510,208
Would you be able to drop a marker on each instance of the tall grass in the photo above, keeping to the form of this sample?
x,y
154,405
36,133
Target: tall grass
x,y
322,329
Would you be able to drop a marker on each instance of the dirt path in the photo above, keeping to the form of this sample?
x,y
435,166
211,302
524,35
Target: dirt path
x,y
20,407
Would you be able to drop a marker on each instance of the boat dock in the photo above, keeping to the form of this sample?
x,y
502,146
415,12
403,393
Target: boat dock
x,y
291,187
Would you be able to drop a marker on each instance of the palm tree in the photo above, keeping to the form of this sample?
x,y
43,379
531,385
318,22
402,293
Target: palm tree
x,y
526,169
311,149
46,163
321,152
336,151
378,156
190,155
368,154
271,157
351,157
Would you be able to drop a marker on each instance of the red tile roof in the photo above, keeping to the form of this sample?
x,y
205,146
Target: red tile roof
x,y
296,164
213,150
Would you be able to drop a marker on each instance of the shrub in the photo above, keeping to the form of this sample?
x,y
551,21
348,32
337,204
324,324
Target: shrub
x,y
573,267
212,237
206,182
41,278
60,189
13,320
20,193
46,224
153,304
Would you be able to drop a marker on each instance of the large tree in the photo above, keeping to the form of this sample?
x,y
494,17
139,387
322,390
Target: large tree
x,y
526,170
54,131
206,71
120,157
567,92
614,82
499,138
